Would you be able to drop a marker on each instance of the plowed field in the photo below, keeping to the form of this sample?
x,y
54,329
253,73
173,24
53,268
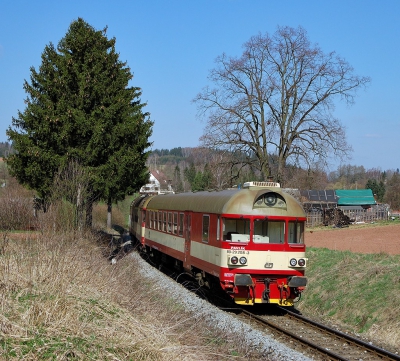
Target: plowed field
x,y
357,238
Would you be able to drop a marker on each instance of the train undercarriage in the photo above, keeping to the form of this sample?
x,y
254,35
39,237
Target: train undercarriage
x,y
245,289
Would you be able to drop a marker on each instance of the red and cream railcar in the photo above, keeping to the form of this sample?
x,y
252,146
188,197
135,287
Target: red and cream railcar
x,y
250,241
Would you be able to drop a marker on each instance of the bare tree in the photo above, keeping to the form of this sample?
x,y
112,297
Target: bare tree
x,y
66,208
277,99
392,195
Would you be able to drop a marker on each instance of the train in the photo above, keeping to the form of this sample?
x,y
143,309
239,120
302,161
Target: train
x,y
246,241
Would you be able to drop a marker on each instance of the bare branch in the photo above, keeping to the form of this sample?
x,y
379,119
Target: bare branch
x,y
278,99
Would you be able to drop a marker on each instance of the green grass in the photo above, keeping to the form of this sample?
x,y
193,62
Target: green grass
x,y
360,291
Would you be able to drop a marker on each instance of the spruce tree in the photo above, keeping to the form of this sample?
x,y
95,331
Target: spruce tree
x,y
81,107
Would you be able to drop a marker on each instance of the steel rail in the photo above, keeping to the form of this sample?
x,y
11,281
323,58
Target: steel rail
x,y
383,354
314,346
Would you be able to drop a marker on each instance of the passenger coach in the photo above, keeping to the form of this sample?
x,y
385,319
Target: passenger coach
x,y
249,241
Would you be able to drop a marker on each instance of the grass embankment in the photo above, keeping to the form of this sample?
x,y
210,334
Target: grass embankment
x,y
62,300
359,292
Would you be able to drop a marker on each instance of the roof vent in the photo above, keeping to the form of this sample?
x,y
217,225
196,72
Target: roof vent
x,y
261,184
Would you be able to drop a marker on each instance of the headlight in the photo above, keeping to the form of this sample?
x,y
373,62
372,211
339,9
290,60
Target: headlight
x,y
270,199
234,260
293,262
302,262
243,260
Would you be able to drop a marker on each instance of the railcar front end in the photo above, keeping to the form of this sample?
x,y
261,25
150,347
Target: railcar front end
x,y
264,262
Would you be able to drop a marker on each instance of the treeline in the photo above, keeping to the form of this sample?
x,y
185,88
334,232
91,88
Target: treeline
x,y
200,168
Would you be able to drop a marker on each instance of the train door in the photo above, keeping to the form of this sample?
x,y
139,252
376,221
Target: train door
x,y
143,228
187,233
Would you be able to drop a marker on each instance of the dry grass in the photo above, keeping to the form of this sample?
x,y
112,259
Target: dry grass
x,y
61,300
100,215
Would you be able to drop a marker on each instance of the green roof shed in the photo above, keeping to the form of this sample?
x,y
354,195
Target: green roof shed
x,y
355,197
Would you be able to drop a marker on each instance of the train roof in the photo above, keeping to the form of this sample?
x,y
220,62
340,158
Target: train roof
x,y
230,201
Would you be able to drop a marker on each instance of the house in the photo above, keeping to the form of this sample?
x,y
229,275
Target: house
x,y
359,205
158,184
323,199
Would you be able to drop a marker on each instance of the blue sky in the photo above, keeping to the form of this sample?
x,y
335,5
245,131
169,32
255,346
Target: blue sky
x,y
171,45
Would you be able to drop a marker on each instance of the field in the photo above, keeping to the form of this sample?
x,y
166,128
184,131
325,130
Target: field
x,y
353,280
367,238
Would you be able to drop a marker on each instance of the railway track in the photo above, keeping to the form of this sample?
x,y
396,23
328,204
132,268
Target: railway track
x,y
314,339
304,335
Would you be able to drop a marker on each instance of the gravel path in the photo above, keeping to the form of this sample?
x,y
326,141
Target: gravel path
x,y
216,318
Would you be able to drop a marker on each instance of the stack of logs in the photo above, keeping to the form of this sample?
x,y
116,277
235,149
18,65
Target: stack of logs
x,y
335,217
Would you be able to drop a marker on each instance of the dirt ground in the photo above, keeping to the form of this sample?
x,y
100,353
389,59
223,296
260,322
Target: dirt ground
x,y
357,238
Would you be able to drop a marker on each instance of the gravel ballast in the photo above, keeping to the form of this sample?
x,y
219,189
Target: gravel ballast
x,y
214,317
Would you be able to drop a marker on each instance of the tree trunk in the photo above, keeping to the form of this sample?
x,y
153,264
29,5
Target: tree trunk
x,y
109,213
79,210
89,216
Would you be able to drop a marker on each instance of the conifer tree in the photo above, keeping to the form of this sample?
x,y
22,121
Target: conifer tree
x,y
81,107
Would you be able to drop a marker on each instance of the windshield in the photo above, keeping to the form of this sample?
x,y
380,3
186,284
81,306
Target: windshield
x,y
268,231
296,232
236,230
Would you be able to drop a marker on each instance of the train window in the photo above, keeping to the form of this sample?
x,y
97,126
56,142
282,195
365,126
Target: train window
x,y
181,218
296,232
236,230
175,225
188,227
144,217
151,219
206,228
218,228
268,231
147,219
169,222
164,221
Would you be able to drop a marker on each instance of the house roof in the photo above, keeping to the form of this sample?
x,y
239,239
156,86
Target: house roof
x,y
356,197
318,196
351,197
160,176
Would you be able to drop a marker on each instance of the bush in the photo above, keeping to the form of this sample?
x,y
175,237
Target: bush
x,y
16,211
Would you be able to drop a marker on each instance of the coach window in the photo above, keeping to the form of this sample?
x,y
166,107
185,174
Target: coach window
x,y
189,227
296,232
181,218
164,222
169,222
155,213
160,221
175,226
218,228
206,228
143,216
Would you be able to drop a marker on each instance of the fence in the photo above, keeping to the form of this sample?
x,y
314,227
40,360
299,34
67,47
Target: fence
x,y
315,219
374,213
